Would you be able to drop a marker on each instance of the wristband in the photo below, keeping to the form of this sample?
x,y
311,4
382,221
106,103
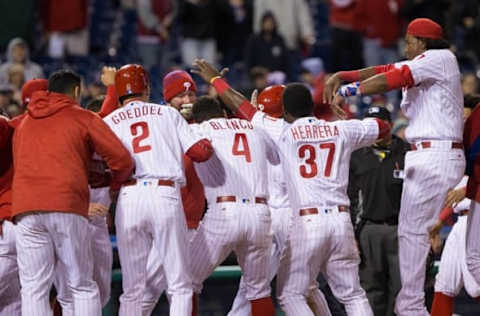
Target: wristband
x,y
213,79
220,85
349,90
349,76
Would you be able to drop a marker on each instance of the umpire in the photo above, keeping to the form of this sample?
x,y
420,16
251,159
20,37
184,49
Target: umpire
x,y
375,189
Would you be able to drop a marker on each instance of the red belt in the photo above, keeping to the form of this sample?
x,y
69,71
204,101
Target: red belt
x,y
233,198
167,183
429,144
314,210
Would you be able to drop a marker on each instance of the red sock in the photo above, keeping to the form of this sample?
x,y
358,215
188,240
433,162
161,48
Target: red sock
x,y
442,305
263,307
195,304
477,299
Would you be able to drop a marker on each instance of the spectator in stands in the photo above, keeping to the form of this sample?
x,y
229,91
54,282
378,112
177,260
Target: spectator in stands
x,y
470,84
267,48
6,95
66,23
197,21
432,9
296,25
346,40
18,53
154,20
18,20
258,80
382,29
16,79
237,29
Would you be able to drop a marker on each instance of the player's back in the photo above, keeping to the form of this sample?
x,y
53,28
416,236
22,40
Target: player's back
x,y
240,162
151,134
316,157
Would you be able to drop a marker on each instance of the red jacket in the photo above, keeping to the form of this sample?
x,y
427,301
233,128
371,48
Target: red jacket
x,y
52,150
64,15
6,169
471,143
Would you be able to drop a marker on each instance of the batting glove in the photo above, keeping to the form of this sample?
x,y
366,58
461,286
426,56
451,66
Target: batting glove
x,y
350,89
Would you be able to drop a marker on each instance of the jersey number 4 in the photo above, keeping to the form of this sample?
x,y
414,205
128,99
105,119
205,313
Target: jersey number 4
x,y
139,132
309,152
240,146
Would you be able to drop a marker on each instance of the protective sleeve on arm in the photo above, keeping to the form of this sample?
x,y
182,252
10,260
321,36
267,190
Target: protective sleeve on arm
x,y
383,68
383,128
110,103
446,213
399,77
107,145
200,151
246,111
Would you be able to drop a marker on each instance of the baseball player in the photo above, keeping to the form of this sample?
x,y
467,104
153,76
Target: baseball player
x,y
50,203
149,208
269,101
99,181
238,218
315,156
179,91
453,274
471,141
433,103
10,302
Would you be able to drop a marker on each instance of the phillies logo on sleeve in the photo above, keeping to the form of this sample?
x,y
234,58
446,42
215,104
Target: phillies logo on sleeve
x,y
187,85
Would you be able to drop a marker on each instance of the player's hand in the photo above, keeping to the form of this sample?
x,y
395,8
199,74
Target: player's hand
x,y
336,107
435,230
224,72
205,70
331,87
108,76
97,209
254,97
455,196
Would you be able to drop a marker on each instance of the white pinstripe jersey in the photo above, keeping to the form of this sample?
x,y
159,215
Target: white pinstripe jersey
x,y
239,165
156,136
434,105
315,156
277,188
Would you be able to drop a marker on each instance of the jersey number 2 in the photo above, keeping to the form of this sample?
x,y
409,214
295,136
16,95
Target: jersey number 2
x,y
240,146
140,132
309,150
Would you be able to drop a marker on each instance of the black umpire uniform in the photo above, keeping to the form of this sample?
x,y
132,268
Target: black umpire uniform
x,y
375,189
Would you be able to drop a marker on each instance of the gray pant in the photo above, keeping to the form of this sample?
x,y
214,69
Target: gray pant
x,y
379,270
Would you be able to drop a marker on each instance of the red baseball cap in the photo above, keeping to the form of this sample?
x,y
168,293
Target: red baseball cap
x,y
32,86
425,28
176,82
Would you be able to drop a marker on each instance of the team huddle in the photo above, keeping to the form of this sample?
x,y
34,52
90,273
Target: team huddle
x,y
274,178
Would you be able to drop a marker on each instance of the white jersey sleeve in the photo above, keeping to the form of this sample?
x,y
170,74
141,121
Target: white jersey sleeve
x,y
186,134
425,67
272,126
465,203
359,133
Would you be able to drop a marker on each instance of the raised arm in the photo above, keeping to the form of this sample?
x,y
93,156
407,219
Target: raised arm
x,y
234,100
110,103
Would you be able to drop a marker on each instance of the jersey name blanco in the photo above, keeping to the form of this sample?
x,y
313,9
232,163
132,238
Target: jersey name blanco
x,y
315,156
240,162
434,105
156,136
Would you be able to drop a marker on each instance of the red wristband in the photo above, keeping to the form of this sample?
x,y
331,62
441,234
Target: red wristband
x,y
220,85
349,76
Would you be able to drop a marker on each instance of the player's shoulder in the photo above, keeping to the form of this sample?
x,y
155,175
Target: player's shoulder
x,y
437,55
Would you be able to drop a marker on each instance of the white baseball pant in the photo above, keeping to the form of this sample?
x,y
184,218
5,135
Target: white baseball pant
x,y
150,214
473,241
244,228
429,174
453,274
156,281
281,225
49,239
10,302
325,243
102,266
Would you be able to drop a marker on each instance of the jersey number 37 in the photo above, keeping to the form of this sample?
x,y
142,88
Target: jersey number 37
x,y
308,152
